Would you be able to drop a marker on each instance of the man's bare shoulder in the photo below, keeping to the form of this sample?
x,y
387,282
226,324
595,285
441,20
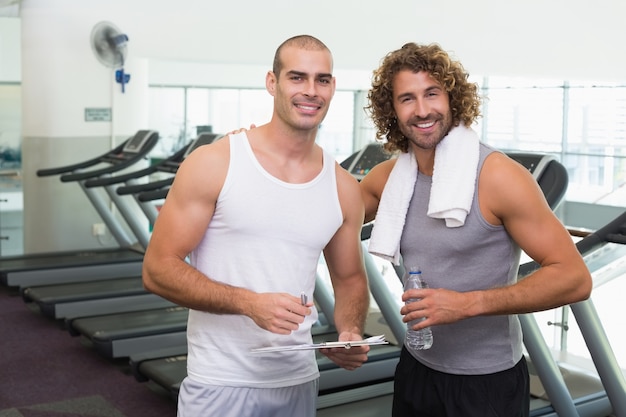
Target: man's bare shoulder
x,y
209,155
507,188
384,168
205,169
499,170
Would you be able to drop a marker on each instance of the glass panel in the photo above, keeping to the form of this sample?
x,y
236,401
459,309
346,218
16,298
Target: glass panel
x,y
596,138
198,113
167,116
546,321
596,179
337,130
10,126
526,119
224,110
11,199
255,108
230,109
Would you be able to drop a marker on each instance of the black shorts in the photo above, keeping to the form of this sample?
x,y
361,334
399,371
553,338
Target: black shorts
x,y
422,392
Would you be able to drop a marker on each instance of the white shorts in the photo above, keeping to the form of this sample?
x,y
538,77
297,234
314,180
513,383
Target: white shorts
x,y
200,400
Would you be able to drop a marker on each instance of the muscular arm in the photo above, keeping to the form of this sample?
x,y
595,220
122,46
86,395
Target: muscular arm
x,y
179,228
372,188
509,195
345,261
345,264
514,197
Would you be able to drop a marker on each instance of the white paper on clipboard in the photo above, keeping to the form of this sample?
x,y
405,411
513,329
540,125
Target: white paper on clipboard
x,y
374,340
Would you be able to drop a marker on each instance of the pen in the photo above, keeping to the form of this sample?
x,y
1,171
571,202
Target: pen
x,y
303,299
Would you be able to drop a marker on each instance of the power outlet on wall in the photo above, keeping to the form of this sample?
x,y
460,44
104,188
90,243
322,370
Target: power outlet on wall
x,y
98,229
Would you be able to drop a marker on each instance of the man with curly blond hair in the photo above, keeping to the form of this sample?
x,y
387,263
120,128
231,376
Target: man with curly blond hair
x,y
468,212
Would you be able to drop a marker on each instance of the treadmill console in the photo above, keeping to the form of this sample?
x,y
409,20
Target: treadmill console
x,y
534,163
202,139
367,158
138,141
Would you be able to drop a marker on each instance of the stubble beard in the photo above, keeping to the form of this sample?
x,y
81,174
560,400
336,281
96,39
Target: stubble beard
x,y
428,140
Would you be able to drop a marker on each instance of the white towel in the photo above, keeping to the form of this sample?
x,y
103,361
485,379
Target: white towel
x,y
454,178
391,214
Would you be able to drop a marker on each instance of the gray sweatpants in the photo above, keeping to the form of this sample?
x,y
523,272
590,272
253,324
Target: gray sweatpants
x,y
200,400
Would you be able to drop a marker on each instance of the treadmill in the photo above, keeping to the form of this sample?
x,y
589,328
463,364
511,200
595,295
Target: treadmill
x,y
71,266
601,395
361,162
123,294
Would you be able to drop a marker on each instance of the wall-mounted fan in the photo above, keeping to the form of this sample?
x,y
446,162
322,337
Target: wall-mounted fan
x,y
109,45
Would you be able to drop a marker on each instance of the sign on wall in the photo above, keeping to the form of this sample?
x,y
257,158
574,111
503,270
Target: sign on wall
x,y
97,114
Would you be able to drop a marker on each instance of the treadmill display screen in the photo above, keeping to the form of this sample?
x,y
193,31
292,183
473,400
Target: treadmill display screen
x,y
135,144
202,139
368,158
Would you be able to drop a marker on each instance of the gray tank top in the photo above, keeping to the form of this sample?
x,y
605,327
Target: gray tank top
x,y
475,256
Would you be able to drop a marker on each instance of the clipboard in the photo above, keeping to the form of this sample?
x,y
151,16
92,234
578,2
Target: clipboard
x,y
370,341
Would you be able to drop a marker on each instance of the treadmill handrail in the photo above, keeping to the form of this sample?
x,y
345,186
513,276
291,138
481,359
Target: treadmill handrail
x,y
169,164
122,161
145,187
587,244
153,195
110,180
164,165
46,172
592,331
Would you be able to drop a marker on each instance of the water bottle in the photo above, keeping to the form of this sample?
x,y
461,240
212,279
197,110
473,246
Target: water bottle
x,y
417,339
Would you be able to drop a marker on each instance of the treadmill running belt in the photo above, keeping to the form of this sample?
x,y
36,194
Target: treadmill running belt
x,y
63,259
107,328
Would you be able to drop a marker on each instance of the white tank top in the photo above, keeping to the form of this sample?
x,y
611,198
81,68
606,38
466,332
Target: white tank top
x,y
265,235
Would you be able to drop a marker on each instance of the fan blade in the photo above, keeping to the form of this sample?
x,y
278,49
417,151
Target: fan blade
x,y
109,44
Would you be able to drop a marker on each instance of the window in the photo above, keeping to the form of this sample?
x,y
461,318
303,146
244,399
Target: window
x,y
523,117
181,113
584,126
595,145
167,116
10,126
337,130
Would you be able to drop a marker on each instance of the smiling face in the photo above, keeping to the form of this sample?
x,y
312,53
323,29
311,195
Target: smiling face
x,y
304,88
422,108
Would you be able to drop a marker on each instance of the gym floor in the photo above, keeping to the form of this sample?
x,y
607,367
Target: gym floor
x,y
47,372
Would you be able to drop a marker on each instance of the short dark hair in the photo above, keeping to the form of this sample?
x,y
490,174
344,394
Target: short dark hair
x,y
307,42
464,99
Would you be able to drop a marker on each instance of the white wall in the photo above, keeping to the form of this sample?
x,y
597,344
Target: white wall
x,y
60,79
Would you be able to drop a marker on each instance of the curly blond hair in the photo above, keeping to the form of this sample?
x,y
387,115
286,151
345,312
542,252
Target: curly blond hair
x,y
464,99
